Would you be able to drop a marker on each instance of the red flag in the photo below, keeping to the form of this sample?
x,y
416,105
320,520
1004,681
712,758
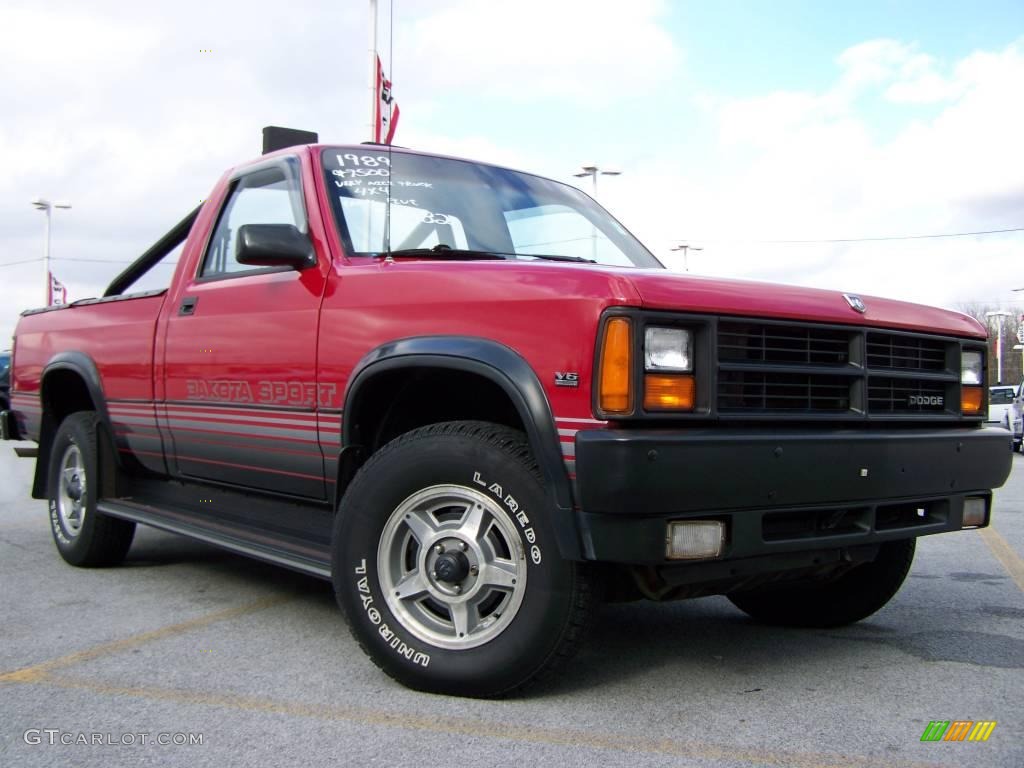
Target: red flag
x,y
57,293
386,116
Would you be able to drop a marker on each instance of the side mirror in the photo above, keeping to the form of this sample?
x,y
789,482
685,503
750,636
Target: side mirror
x,y
274,245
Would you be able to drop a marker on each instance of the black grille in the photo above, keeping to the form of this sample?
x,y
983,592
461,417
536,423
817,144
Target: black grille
x,y
757,391
796,370
888,395
807,345
898,352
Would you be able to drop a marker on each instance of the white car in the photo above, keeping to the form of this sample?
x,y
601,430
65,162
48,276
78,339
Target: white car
x,y
1004,410
1017,416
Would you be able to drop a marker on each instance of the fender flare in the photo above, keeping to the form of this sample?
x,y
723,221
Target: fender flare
x,y
83,365
85,368
508,370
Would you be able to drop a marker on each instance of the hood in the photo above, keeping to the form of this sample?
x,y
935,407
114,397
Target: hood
x,y
664,290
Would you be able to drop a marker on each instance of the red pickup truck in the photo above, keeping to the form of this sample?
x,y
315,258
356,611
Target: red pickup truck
x,y
473,400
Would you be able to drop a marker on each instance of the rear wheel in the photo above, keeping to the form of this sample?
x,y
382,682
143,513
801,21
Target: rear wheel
x,y
84,537
855,595
446,566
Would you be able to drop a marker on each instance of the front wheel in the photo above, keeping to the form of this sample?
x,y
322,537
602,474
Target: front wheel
x,y
853,596
446,566
84,536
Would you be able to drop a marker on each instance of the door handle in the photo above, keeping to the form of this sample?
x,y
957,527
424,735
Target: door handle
x,y
188,305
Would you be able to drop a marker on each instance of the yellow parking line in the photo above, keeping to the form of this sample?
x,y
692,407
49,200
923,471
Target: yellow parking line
x,y
43,674
39,671
1004,553
507,731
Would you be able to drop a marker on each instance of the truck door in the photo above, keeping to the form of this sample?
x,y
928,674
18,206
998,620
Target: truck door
x,y
240,350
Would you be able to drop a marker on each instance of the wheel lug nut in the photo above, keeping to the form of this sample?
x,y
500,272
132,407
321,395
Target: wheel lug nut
x,y
456,588
474,570
463,546
439,549
433,575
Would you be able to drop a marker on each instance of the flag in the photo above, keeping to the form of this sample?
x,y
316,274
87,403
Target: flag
x,y
386,114
58,293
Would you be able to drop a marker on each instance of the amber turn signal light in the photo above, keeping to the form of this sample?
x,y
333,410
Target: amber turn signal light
x,y
616,393
970,400
668,393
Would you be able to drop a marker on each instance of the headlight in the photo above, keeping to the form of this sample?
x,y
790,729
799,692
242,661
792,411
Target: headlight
x,y
972,376
668,349
668,369
971,369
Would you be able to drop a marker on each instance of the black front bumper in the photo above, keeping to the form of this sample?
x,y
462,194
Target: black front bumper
x,y
779,491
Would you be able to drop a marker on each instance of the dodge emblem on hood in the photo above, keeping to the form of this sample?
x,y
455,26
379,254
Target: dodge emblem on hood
x,y
856,302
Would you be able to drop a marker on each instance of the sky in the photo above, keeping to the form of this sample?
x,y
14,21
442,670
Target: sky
x,y
744,129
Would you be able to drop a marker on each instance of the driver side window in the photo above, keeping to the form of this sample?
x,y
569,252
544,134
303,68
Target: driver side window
x,y
267,196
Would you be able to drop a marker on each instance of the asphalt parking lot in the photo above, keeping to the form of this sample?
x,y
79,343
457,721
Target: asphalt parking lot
x,y
187,642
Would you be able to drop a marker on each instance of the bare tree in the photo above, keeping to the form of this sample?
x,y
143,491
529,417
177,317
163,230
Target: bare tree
x,y
1013,364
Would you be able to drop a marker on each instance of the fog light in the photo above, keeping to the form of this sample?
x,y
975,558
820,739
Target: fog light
x,y
974,511
694,539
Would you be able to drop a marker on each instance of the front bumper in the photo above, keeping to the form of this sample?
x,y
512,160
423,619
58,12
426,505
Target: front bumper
x,y
779,491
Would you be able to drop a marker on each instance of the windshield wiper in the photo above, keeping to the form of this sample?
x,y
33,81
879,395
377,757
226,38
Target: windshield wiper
x,y
442,251
555,257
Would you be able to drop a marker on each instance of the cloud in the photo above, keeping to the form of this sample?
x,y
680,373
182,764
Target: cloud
x,y
580,52
899,143
119,109
116,109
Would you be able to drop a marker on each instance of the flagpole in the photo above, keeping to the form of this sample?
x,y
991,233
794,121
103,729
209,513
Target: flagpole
x,y
46,260
374,97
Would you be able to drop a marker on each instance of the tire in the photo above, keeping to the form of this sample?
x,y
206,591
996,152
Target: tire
x,y
855,595
84,537
1017,446
455,516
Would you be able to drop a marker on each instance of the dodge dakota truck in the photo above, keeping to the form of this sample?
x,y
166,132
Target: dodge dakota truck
x,y
471,399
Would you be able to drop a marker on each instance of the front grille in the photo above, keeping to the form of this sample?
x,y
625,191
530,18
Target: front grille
x,y
746,342
886,395
900,352
790,370
746,391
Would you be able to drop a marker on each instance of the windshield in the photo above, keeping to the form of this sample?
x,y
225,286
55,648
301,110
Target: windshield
x,y
1000,395
468,206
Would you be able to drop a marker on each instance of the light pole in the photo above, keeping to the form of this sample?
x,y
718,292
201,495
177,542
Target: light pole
x,y
593,172
42,204
686,251
999,342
